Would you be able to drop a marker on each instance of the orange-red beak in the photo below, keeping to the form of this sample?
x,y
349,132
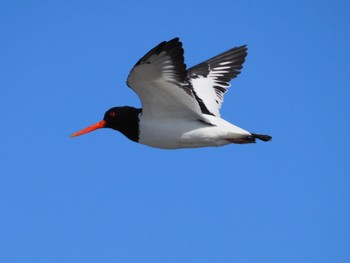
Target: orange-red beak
x,y
91,128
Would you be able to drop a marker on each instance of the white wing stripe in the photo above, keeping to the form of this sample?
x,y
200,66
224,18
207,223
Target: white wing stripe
x,y
210,79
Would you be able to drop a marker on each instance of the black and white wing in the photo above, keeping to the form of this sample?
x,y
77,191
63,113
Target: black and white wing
x,y
159,79
211,79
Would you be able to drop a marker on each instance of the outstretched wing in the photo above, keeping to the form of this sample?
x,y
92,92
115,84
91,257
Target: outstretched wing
x,y
211,79
159,79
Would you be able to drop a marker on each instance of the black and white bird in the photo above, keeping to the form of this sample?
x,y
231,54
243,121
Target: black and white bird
x,y
180,107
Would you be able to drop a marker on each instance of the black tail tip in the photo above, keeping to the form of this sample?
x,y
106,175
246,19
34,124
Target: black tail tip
x,y
262,137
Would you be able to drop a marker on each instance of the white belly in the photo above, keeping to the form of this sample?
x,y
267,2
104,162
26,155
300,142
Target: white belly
x,y
176,134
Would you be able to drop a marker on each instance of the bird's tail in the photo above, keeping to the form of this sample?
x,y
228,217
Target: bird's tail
x,y
262,137
250,138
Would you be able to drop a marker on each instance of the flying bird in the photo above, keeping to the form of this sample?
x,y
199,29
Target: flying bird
x,y
180,106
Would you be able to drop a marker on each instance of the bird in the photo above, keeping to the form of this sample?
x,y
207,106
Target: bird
x,y
180,106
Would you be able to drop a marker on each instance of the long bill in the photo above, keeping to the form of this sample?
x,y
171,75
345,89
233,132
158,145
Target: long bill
x,y
91,128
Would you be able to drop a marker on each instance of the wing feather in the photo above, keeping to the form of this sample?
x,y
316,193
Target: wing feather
x,y
211,79
159,79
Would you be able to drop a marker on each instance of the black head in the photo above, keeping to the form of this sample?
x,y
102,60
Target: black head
x,y
117,117
123,119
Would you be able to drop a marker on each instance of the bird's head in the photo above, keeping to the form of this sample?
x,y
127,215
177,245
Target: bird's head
x,y
115,118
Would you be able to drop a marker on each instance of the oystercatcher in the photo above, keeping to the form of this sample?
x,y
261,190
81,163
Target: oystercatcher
x,y
180,107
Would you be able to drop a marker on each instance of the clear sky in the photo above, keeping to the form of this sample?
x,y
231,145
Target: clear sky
x,y
103,198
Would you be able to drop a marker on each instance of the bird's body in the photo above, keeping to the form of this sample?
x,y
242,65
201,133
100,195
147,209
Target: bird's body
x,y
187,133
180,107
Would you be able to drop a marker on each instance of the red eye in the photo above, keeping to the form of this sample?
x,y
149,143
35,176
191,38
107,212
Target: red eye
x,y
112,114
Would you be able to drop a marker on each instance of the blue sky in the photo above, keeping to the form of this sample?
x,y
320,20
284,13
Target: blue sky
x,y
102,198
